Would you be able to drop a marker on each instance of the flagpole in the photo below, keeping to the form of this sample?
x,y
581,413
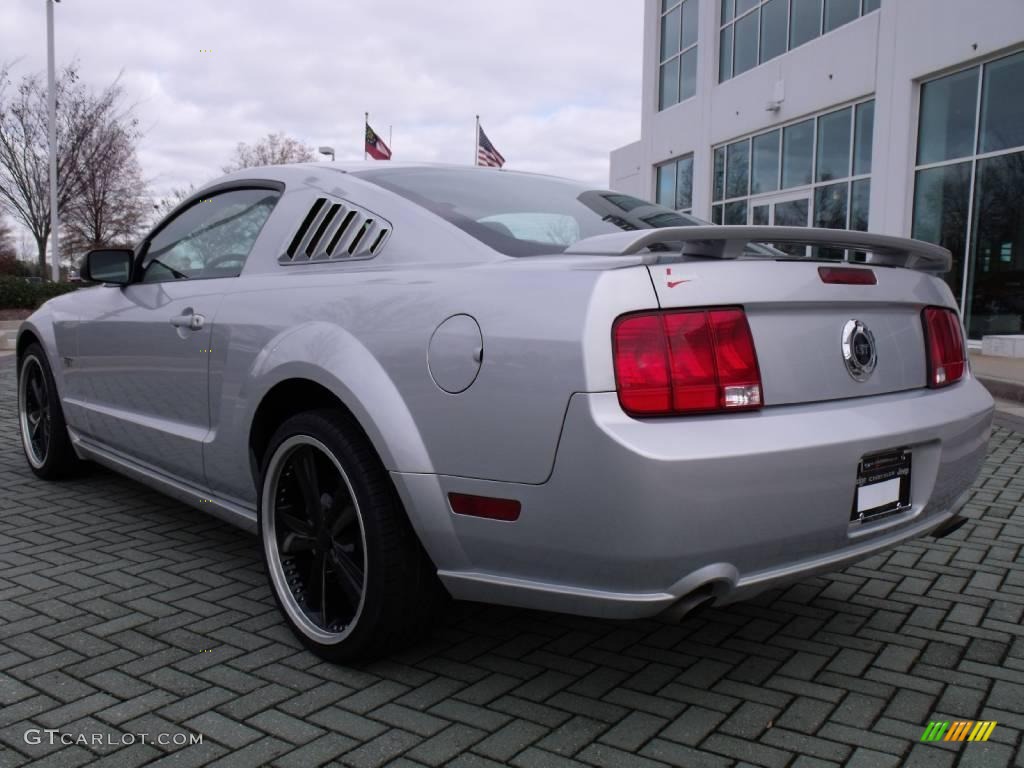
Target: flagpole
x,y
366,126
476,149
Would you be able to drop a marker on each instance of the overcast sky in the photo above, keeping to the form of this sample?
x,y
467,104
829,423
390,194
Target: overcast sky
x,y
556,82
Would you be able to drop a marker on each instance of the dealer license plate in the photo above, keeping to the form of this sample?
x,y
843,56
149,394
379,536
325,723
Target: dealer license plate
x,y
883,485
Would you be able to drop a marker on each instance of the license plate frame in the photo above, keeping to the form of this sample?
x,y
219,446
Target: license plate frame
x,y
883,485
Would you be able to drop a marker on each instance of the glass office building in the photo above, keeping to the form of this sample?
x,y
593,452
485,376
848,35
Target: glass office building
x,y
898,116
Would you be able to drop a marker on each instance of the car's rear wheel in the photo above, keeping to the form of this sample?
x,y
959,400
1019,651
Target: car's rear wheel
x,y
344,564
44,435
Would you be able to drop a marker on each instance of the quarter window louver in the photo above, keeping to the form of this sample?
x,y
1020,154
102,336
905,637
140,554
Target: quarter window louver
x,y
334,230
322,228
359,236
341,230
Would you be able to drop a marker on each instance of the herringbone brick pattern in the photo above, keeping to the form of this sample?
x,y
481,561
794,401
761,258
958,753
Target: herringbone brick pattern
x,y
124,612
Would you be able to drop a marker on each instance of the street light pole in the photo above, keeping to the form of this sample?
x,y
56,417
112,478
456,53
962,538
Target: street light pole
x,y
52,99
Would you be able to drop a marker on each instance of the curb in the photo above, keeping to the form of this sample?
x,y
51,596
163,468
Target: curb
x,y
9,334
1003,389
1007,420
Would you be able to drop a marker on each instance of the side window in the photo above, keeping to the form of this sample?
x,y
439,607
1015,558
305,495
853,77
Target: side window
x,y
212,238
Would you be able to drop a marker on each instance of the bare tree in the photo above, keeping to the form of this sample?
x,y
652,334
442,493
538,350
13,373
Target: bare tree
x,y
272,149
6,238
112,206
8,253
24,147
171,200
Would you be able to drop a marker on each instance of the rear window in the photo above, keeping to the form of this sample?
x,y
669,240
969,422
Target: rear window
x,y
521,214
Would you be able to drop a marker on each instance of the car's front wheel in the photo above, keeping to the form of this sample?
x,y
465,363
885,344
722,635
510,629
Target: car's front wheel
x,y
44,435
344,564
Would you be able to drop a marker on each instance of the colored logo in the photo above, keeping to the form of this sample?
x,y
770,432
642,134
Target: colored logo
x,y
673,283
959,730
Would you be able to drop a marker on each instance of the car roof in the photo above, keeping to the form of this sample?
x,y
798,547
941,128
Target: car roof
x,y
358,167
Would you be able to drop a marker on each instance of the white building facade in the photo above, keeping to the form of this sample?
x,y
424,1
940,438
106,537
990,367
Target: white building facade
x,y
904,117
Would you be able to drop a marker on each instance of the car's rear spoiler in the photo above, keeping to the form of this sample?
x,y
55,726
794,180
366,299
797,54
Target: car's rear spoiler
x,y
730,242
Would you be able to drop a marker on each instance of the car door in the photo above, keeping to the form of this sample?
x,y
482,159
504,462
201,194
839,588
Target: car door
x,y
143,355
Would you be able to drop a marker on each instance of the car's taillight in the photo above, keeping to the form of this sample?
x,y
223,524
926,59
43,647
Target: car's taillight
x,y
946,357
685,361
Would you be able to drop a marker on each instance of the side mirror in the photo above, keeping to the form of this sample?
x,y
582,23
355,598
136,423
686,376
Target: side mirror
x,y
108,265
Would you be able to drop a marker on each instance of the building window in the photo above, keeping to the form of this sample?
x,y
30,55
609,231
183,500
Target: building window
x,y
677,74
755,31
675,184
968,183
814,172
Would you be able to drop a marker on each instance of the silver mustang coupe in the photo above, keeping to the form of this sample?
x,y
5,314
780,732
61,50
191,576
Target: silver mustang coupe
x,y
419,381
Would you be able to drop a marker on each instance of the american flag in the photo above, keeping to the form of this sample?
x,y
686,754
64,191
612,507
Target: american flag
x,y
486,154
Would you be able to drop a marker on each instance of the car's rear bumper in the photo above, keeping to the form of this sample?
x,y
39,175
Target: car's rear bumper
x,y
637,515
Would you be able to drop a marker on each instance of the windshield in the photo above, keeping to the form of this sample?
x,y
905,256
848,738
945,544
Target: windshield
x,y
520,214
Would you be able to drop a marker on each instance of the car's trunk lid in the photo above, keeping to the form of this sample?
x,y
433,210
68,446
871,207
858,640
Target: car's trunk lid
x,y
798,322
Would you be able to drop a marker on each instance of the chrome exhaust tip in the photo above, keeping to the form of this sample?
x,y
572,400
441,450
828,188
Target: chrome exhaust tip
x,y
690,604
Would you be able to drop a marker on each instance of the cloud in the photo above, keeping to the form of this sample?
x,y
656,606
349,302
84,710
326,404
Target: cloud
x,y
556,82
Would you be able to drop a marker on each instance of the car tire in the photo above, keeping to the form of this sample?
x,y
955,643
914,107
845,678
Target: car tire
x,y
330,521
44,434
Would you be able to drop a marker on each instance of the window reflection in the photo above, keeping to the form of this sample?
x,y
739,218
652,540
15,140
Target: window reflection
x,y
835,178
830,213
684,184
719,182
1002,105
865,124
765,175
839,12
669,84
947,118
670,33
792,213
666,190
941,207
736,213
677,71
773,29
962,137
674,187
755,31
834,146
996,277
737,166
688,74
745,51
725,54
797,148
860,202
804,21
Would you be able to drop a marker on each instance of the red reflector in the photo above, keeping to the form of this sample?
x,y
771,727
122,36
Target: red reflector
x,y
945,339
847,275
685,361
484,506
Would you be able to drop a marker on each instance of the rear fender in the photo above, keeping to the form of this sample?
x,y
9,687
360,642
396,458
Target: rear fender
x,y
330,356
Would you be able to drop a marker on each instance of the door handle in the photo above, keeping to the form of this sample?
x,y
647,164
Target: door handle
x,y
191,321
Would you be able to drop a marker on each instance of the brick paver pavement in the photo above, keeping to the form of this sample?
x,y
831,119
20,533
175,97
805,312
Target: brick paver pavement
x,y
123,612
